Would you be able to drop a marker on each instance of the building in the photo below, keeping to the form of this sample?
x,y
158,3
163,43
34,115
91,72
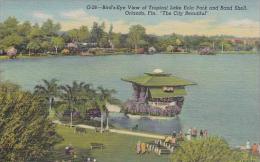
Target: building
x,y
151,50
157,94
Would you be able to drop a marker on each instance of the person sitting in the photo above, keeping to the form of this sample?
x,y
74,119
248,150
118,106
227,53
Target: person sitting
x,y
180,136
168,139
143,148
69,150
173,141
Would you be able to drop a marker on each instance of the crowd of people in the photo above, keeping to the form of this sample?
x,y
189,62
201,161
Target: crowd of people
x,y
193,133
254,149
69,150
140,147
172,141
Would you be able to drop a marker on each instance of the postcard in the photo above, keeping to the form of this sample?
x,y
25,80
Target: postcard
x,y
129,81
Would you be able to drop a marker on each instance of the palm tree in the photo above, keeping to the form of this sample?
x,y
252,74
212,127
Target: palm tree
x,y
105,96
49,89
75,95
67,95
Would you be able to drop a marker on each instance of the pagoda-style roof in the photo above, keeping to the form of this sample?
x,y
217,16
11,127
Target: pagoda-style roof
x,y
159,93
158,78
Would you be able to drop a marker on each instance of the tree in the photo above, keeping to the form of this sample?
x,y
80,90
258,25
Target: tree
x,y
24,29
75,96
136,34
36,33
97,32
110,32
13,40
57,43
83,34
105,96
104,40
49,28
34,45
35,38
178,42
116,39
73,35
45,45
79,35
9,26
212,149
49,90
26,133
257,44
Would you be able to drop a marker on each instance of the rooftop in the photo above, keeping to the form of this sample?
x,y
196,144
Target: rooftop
x,y
158,78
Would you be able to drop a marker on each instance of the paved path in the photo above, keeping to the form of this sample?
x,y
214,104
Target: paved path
x,y
139,134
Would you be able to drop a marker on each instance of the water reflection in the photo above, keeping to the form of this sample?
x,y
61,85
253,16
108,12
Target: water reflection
x,y
162,126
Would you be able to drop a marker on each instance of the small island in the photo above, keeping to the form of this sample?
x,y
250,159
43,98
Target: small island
x,y
156,94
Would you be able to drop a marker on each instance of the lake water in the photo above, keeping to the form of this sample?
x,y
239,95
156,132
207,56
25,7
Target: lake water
x,y
225,101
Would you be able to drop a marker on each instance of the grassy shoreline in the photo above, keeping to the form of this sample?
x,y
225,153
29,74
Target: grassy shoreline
x,y
118,147
26,56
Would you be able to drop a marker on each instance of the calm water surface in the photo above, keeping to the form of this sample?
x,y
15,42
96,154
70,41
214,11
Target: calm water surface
x,y
225,101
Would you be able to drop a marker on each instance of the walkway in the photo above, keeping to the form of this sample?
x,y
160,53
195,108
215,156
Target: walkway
x,y
139,134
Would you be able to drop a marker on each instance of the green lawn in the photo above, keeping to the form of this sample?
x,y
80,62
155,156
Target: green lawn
x,y
23,56
118,148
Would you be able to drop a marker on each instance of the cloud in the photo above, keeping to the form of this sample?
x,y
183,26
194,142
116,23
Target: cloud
x,y
77,18
42,15
243,28
209,26
74,14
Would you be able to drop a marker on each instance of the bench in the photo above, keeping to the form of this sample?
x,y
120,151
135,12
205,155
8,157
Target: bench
x,y
164,152
96,146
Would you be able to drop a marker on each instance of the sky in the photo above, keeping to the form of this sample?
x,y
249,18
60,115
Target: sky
x,y
74,13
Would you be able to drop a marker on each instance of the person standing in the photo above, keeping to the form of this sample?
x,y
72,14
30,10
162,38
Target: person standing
x,y
138,147
195,132
174,134
201,133
254,149
258,148
205,133
248,146
189,135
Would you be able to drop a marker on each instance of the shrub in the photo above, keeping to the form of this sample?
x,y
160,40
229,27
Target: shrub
x,y
211,149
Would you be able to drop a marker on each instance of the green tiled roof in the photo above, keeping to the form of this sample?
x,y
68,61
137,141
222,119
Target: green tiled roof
x,y
159,93
158,80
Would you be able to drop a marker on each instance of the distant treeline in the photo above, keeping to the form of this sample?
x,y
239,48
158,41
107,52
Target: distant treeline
x,y
30,38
